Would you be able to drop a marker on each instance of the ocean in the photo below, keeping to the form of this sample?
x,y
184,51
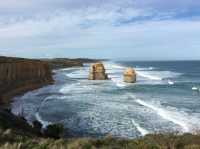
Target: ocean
x,y
166,98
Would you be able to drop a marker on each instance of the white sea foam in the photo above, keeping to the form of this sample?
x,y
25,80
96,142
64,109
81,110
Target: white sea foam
x,y
67,88
170,82
156,75
80,87
115,74
139,128
144,68
78,74
111,65
172,116
195,88
151,68
71,68
147,75
144,75
118,82
43,122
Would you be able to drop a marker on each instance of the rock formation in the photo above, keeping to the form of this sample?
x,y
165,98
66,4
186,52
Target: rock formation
x,y
18,75
97,72
130,75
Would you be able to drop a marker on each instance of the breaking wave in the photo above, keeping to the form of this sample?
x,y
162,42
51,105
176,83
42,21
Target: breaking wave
x,y
43,122
113,106
145,74
185,121
157,75
139,128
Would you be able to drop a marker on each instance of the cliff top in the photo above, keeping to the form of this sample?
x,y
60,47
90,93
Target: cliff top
x,y
4,59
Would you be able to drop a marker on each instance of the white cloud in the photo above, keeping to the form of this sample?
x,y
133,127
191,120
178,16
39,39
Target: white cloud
x,y
104,29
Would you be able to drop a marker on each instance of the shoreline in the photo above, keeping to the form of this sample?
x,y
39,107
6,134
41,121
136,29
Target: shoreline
x,y
20,91
20,76
16,130
11,90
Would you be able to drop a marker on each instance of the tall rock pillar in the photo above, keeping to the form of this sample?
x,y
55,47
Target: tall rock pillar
x,y
97,72
130,75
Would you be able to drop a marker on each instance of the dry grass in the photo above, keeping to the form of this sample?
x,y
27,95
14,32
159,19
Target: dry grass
x,y
10,139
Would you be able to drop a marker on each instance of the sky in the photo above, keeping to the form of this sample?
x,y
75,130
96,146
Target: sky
x,y
114,29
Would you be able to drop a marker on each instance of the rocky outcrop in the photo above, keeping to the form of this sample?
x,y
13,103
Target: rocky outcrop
x,y
130,75
97,72
19,75
10,121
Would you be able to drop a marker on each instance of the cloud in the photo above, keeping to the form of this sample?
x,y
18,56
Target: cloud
x,y
99,28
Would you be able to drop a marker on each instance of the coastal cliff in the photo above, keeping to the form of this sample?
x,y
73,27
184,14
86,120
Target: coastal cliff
x,y
18,75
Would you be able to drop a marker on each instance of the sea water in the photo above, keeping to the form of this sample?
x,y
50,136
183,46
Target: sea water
x,y
166,98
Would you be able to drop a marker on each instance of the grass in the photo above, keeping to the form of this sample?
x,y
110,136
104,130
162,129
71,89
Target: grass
x,y
11,139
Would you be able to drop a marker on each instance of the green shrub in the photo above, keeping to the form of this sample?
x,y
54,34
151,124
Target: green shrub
x,y
54,131
13,139
37,125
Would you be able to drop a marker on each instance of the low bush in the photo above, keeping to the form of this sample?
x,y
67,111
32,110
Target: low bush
x,y
54,131
11,139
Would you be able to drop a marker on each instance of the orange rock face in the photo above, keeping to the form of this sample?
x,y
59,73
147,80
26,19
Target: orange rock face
x,y
17,75
130,75
97,72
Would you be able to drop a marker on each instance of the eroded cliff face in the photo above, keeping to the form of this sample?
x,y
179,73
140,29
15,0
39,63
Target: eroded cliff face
x,y
20,75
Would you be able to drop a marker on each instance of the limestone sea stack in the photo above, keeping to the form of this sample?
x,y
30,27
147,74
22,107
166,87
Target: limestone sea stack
x,y
97,72
130,75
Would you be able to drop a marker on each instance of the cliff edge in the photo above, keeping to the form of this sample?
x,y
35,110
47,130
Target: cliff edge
x,y
19,75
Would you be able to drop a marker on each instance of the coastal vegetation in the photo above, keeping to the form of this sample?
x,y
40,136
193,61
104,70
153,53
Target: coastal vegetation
x,y
12,139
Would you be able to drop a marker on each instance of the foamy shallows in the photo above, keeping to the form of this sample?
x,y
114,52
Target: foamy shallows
x,y
162,100
139,128
115,73
157,75
170,82
194,88
79,73
186,121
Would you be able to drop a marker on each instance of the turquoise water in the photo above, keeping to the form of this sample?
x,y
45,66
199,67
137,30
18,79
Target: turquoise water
x,y
166,97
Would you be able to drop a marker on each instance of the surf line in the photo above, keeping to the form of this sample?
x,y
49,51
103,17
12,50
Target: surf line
x,y
164,114
151,77
44,123
38,117
139,128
